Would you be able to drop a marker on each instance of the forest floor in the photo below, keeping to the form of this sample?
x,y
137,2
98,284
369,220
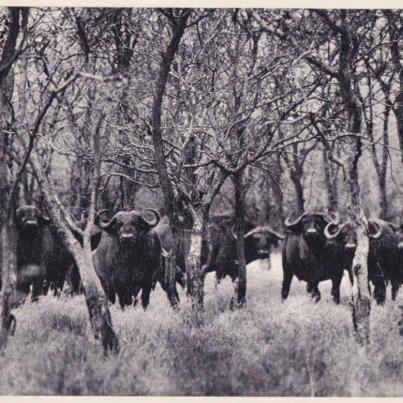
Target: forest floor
x,y
268,348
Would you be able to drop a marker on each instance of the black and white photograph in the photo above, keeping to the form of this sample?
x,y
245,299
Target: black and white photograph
x,y
201,201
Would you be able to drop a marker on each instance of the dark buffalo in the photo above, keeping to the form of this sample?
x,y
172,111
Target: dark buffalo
x,y
219,249
309,256
382,257
128,256
40,254
219,252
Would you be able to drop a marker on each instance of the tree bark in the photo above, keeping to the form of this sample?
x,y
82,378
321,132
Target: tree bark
x,y
239,299
331,182
8,241
194,269
95,297
360,294
296,177
395,37
178,26
361,301
384,166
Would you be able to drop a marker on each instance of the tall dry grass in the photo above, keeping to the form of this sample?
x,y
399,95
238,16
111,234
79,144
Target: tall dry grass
x,y
296,348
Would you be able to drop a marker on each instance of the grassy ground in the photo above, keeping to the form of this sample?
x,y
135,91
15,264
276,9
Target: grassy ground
x,y
297,348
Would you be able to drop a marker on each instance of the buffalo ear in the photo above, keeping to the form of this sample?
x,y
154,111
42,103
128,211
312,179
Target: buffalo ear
x,y
17,218
112,228
44,219
295,229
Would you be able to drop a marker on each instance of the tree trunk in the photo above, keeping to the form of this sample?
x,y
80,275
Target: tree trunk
x,y
170,269
395,40
331,182
361,302
178,28
96,300
360,295
194,269
239,298
296,177
8,242
384,166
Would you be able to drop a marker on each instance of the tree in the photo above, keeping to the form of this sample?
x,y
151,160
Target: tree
x,y
343,37
16,23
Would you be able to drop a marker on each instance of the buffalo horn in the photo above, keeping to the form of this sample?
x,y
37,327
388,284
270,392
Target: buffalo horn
x,y
378,233
101,224
265,228
288,223
335,222
155,221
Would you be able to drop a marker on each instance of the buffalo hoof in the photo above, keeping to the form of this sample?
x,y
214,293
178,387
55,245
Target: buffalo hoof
x,y
316,297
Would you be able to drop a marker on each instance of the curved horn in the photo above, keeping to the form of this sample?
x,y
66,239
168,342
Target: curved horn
x,y
265,228
101,224
327,233
378,233
288,223
335,222
253,232
156,220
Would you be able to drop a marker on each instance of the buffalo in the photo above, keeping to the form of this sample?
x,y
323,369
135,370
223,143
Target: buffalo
x,y
382,256
128,256
309,256
40,254
219,252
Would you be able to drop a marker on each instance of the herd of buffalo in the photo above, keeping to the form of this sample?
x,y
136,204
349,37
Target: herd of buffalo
x,y
129,253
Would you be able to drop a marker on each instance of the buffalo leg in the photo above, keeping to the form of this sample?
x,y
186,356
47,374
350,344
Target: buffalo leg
x,y
37,287
109,291
145,296
174,302
395,289
285,290
124,295
135,293
379,290
315,293
336,289
75,279
394,278
45,287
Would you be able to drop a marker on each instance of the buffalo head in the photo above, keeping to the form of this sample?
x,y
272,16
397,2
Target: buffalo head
x,y
30,218
399,233
345,233
261,239
310,225
128,225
